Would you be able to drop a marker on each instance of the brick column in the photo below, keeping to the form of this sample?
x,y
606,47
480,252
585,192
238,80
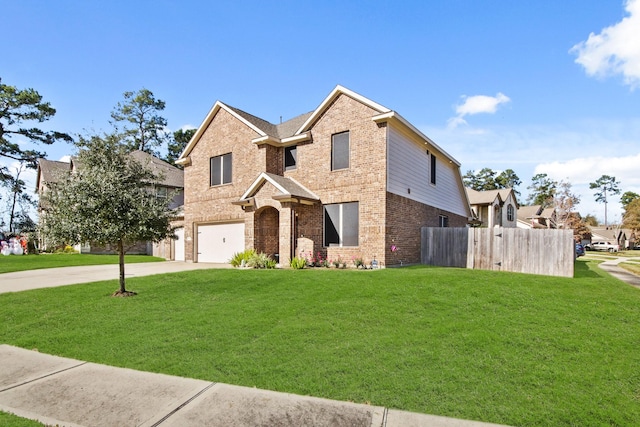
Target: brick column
x,y
285,234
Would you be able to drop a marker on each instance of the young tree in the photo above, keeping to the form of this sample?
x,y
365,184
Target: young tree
x,y
605,184
108,199
16,108
144,127
564,203
542,189
177,144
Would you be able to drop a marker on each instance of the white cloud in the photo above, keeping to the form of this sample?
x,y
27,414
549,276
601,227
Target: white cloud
x,y
481,104
476,105
615,50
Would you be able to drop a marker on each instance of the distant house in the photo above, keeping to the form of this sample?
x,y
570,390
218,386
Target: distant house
x,y
535,217
171,184
493,208
623,237
351,178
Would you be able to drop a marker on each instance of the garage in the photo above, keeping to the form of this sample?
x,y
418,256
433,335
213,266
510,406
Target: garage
x,y
218,242
178,245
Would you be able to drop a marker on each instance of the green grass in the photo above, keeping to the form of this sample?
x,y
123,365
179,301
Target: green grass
x,y
7,419
34,262
514,349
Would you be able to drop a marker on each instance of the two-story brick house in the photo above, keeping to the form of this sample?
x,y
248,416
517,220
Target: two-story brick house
x,y
350,179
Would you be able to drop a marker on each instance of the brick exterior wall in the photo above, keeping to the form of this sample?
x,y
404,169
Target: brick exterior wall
x,y
384,218
364,181
404,220
205,204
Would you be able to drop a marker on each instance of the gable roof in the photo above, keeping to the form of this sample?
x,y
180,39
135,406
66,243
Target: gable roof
x,y
288,188
335,93
298,129
487,197
534,211
172,176
50,170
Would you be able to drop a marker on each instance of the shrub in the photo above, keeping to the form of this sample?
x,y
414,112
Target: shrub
x,y
298,263
358,262
258,260
237,258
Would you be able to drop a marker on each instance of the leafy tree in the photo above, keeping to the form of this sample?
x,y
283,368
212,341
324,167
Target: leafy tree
x,y
177,144
109,200
605,184
508,179
542,189
487,179
144,127
580,228
590,220
628,197
16,108
631,218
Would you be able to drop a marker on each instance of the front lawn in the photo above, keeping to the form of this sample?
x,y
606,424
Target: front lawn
x,y
498,347
11,263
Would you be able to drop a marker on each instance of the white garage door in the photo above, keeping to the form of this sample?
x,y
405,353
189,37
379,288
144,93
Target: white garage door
x,y
178,245
218,242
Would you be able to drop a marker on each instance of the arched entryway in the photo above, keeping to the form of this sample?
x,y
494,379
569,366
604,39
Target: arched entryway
x,y
267,230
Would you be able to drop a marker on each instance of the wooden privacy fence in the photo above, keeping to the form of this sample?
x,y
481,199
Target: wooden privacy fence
x,y
547,252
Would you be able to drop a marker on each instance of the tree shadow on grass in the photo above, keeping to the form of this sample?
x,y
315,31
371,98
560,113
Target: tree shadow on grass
x,y
583,269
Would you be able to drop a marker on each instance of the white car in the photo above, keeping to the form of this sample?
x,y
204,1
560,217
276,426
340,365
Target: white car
x,y
602,246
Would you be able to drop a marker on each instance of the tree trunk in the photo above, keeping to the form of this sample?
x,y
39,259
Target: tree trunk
x,y
121,262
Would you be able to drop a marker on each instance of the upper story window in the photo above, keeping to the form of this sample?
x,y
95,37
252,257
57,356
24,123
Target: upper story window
x,y
221,169
433,169
290,158
341,223
510,213
340,151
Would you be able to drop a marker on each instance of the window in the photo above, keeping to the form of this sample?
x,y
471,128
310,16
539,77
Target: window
x,y
161,192
341,223
443,221
433,169
221,170
290,158
340,151
510,213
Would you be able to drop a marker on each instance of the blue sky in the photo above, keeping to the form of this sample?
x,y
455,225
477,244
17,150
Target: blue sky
x,y
549,86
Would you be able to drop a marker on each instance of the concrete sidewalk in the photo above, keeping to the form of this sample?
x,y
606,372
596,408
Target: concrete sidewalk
x,y
611,267
53,277
66,392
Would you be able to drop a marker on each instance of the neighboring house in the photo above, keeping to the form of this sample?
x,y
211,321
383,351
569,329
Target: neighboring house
x,y
493,208
171,184
623,237
350,179
535,217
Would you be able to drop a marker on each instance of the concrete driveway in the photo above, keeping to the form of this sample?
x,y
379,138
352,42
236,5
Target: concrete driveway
x,y
52,277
